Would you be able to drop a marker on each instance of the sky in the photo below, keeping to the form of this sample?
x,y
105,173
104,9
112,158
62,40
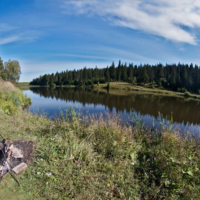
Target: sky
x,y
47,36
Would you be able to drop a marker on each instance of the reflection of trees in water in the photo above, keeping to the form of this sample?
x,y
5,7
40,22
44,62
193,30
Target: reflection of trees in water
x,y
182,109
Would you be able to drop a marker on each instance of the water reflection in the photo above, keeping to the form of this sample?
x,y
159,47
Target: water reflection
x,y
183,110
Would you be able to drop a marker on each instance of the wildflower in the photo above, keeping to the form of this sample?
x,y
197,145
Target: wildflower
x,y
132,163
48,174
148,160
41,159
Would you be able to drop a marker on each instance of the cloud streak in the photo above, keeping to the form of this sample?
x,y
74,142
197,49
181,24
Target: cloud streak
x,y
25,36
175,20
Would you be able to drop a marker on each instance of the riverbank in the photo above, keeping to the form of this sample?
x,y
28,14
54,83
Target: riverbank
x,y
144,89
96,158
124,88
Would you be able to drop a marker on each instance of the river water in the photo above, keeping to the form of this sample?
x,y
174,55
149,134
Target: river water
x,y
185,112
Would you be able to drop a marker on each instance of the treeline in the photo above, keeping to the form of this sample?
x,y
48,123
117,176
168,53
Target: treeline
x,y
178,77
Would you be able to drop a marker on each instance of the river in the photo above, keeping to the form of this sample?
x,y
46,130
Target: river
x,y
185,112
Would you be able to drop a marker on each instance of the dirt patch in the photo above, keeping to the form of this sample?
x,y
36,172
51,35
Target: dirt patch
x,y
26,148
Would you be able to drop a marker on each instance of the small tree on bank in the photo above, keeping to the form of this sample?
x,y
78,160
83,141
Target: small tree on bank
x,y
12,70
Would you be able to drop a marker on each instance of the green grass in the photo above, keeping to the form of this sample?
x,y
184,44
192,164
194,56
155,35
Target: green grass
x,y
22,84
128,87
96,158
12,101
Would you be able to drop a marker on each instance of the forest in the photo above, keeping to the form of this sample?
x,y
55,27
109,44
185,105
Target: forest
x,y
177,77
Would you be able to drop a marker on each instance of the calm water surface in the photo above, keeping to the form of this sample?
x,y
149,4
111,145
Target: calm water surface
x,y
185,112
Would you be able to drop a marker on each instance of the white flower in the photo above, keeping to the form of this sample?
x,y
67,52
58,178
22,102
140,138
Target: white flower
x,y
148,160
41,159
48,174
132,163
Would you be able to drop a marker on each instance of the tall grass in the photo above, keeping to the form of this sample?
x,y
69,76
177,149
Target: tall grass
x,y
92,157
11,98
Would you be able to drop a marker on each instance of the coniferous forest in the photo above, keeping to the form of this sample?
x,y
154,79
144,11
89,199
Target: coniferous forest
x,y
177,77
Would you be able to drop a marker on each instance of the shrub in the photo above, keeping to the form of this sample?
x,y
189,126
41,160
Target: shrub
x,y
12,100
129,80
9,107
187,94
183,89
134,80
102,80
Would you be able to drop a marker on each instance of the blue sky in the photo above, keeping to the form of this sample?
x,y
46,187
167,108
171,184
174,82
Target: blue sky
x,y
47,36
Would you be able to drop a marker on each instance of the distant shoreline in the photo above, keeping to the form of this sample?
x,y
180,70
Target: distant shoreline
x,y
123,87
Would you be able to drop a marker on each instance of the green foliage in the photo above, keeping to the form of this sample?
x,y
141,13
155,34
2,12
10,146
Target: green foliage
x,y
108,86
13,70
187,94
11,101
172,76
92,84
134,80
2,70
9,107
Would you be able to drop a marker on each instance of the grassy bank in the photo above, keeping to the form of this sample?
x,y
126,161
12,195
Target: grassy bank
x,y
12,99
95,158
123,86
101,159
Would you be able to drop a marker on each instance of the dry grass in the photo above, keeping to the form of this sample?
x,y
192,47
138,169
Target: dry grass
x,y
6,85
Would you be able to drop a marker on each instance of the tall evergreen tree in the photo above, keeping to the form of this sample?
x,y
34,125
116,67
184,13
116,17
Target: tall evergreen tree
x,y
112,71
107,75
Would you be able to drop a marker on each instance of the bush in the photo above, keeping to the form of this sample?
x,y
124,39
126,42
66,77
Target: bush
x,y
11,101
129,80
187,94
134,80
183,89
102,80
9,107
95,80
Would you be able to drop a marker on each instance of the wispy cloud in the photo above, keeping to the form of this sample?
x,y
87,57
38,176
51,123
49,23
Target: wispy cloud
x,y
9,40
25,36
171,19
